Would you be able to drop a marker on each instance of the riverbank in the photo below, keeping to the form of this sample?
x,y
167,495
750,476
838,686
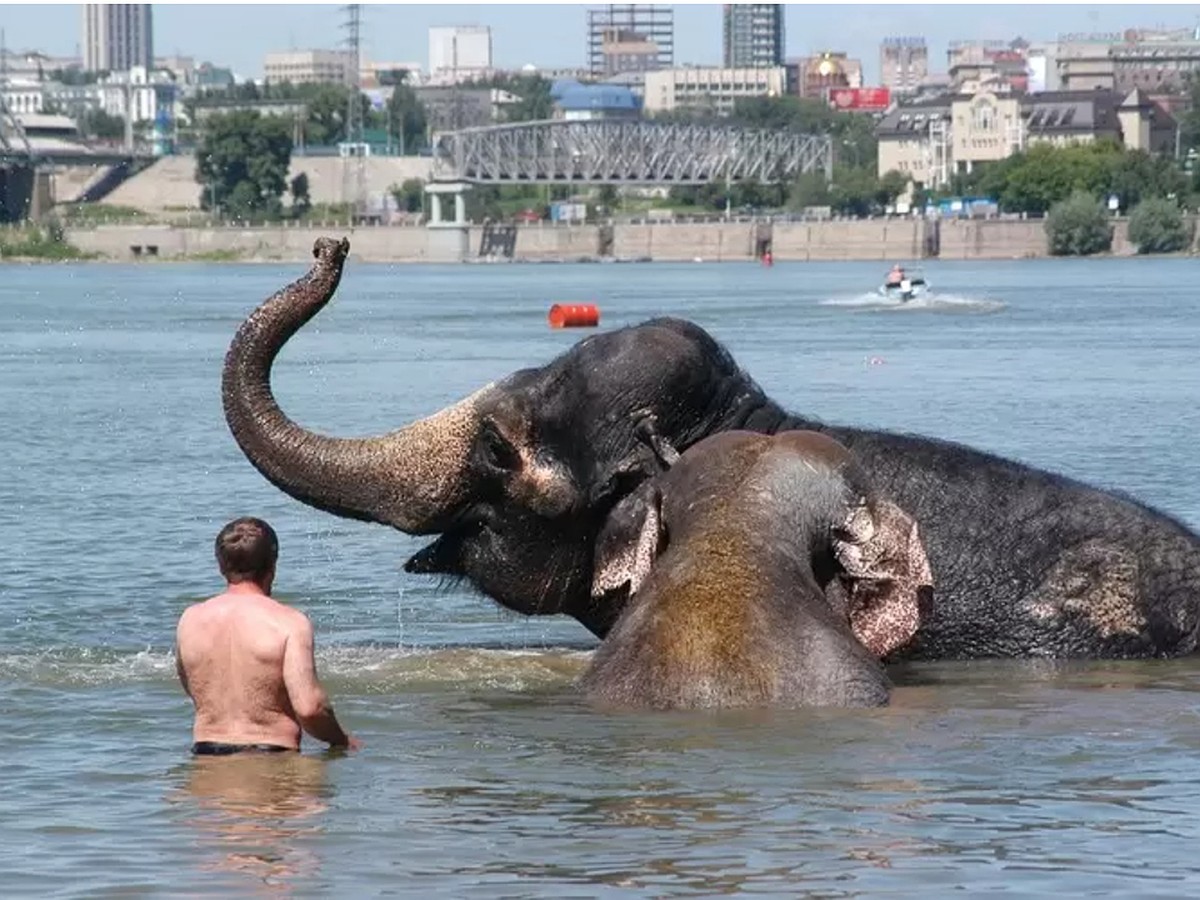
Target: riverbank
x,y
884,240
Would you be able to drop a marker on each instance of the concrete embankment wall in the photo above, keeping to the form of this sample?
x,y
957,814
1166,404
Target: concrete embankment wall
x,y
170,182
876,239
883,239
285,244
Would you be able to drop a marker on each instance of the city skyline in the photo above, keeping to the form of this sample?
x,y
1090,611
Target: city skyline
x,y
400,33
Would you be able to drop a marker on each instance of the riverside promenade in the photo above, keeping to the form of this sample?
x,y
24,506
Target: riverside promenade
x,y
883,239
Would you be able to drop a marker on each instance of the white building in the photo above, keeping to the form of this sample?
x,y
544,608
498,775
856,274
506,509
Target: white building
x,y
117,36
138,95
459,52
308,67
711,89
23,96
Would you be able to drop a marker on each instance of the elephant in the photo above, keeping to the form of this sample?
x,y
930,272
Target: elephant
x,y
759,570
517,480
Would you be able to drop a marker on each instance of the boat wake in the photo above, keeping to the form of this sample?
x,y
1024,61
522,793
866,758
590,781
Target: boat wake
x,y
876,302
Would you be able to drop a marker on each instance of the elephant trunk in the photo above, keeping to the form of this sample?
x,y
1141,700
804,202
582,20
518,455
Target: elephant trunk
x,y
411,479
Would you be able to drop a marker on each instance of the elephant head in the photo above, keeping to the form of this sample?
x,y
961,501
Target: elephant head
x,y
864,552
727,561
517,478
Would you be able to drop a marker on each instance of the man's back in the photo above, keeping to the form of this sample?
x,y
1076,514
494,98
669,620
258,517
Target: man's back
x,y
232,651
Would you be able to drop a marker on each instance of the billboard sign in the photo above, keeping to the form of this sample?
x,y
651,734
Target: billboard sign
x,y
873,99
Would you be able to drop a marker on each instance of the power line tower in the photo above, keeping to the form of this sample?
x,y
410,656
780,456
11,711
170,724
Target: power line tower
x,y
354,149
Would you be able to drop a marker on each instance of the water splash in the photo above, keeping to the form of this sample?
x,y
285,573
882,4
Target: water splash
x,y
347,668
875,302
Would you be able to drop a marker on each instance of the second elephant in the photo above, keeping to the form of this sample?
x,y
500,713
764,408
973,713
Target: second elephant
x,y
760,571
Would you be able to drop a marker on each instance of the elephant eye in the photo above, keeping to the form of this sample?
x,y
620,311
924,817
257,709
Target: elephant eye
x,y
498,452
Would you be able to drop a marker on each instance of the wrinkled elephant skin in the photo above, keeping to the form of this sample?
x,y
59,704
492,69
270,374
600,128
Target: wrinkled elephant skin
x,y
725,562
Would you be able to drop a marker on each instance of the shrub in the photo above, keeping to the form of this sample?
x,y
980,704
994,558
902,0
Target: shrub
x,y
1078,226
1156,225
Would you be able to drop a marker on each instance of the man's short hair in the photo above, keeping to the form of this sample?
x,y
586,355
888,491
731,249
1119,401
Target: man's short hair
x,y
246,550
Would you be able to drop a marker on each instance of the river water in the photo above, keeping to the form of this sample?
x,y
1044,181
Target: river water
x,y
482,774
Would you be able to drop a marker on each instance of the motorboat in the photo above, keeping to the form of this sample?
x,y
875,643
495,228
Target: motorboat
x,y
904,284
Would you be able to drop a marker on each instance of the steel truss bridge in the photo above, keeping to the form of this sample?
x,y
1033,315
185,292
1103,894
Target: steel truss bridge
x,y
606,151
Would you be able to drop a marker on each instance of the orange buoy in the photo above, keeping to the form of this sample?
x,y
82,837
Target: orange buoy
x,y
574,315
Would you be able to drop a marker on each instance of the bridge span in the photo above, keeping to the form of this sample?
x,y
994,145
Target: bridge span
x,y
608,151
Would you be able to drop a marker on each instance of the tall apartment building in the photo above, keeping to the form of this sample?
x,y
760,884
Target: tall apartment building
x,y
903,63
753,35
117,36
459,51
630,38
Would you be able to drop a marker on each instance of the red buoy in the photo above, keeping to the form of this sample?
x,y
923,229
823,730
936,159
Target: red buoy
x,y
574,315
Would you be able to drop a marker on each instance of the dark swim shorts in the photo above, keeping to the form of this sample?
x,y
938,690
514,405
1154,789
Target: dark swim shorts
x,y
216,748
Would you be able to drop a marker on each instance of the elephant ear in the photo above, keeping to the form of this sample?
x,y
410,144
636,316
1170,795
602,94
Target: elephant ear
x,y
631,539
887,578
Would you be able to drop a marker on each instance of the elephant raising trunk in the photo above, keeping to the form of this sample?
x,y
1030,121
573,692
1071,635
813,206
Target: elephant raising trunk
x,y
411,479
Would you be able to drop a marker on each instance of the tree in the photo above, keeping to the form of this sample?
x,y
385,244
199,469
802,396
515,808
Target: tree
x,y
890,187
410,195
242,163
99,124
607,196
809,189
406,118
301,201
1156,225
853,192
1078,226
74,75
532,93
1136,175
325,123
1189,122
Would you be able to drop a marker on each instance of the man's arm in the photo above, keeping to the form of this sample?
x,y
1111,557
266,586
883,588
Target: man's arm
x,y
305,693
179,670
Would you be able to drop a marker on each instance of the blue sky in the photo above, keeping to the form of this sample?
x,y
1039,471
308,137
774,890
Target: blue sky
x,y
555,35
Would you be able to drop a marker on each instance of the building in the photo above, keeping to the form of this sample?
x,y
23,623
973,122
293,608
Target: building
x,y
117,37
308,67
373,74
753,35
26,96
1157,62
930,140
581,102
559,73
459,53
903,64
182,68
207,76
22,96
813,76
709,89
139,95
451,107
32,65
975,66
630,38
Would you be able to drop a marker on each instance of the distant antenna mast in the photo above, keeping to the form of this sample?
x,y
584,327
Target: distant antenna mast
x,y
354,181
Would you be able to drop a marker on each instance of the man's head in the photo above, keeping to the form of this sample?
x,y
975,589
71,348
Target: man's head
x,y
246,551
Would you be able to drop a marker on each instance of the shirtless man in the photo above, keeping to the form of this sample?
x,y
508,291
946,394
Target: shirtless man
x,y
247,660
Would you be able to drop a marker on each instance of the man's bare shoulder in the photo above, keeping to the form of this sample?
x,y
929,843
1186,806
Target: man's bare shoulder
x,y
222,606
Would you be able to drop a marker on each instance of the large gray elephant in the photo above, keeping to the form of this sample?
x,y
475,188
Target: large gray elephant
x,y
760,570
518,479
